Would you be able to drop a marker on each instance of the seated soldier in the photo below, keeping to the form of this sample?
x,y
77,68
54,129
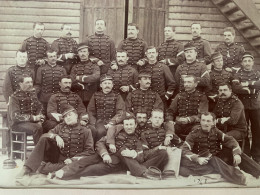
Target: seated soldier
x,y
203,154
105,108
25,110
64,97
67,142
185,107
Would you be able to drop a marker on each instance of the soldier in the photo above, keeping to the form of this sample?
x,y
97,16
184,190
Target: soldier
x,y
247,86
47,79
192,67
202,46
12,75
64,97
85,75
185,107
134,46
125,77
217,75
143,100
202,153
36,47
170,52
230,114
25,110
101,46
105,108
232,52
66,48
162,79
66,143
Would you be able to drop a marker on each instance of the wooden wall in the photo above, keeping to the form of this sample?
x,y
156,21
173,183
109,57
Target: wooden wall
x,y
182,13
16,21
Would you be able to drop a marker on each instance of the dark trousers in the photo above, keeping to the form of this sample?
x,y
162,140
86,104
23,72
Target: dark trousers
x,y
158,159
99,130
48,125
34,129
254,117
46,150
183,130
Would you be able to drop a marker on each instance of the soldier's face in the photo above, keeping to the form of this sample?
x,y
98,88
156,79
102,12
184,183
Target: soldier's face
x,y
207,122
21,59
66,31
151,54
27,84
65,84
132,32
190,54
106,86
196,30
129,126
121,58
247,63
38,30
100,26
145,82
169,33
189,84
224,92
157,119
141,119
218,63
71,118
83,54
229,37
52,58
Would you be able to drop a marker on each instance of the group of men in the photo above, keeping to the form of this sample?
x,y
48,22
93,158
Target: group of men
x,y
133,102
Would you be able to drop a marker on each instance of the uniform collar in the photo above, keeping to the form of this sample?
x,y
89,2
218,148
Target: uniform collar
x,y
196,38
99,35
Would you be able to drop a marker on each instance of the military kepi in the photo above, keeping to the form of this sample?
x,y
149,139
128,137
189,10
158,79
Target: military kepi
x,y
216,55
105,77
82,46
65,109
247,54
189,46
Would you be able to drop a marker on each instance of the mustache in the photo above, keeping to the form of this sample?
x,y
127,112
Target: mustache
x,y
222,95
69,33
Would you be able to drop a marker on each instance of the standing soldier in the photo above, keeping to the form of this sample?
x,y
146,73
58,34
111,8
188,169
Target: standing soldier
x,y
36,47
203,47
85,75
47,79
101,46
162,79
232,52
247,87
170,52
66,48
134,46
10,84
125,77
192,67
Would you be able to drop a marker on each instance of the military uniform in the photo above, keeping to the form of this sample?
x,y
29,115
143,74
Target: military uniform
x,y
197,69
172,52
102,47
203,49
200,143
63,46
47,82
87,84
135,48
105,109
78,142
124,76
250,99
22,109
36,49
186,105
236,126
143,101
11,84
232,54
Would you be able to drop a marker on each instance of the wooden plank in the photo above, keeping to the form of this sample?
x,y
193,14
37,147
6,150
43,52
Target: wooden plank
x,y
207,37
193,3
38,12
7,54
194,17
203,23
9,47
37,4
199,10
